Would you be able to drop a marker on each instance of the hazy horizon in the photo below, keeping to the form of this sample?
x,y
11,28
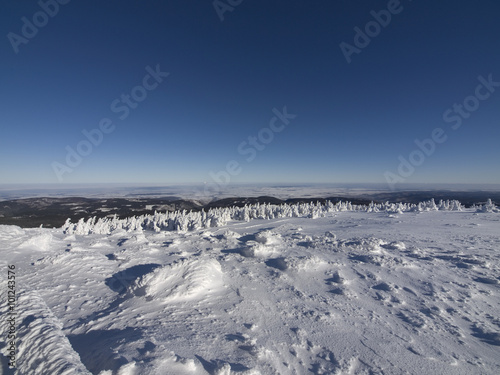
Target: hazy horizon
x,y
204,193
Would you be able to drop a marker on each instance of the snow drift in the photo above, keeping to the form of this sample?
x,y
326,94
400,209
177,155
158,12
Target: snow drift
x,y
42,346
183,280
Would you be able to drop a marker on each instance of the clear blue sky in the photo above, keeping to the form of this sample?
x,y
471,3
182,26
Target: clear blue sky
x,y
354,120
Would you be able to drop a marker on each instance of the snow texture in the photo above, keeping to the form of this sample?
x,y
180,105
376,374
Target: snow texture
x,y
290,289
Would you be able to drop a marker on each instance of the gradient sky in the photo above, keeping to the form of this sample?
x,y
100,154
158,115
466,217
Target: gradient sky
x,y
354,121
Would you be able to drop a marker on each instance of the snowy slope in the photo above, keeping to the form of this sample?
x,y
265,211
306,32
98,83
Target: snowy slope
x,y
397,290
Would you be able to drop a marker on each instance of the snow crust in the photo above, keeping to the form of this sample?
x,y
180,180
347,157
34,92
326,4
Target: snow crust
x,y
306,289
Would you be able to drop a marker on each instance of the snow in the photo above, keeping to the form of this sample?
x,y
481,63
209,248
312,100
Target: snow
x,y
216,217
42,338
183,280
334,289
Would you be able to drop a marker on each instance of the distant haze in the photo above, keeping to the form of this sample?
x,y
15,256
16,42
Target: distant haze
x,y
198,192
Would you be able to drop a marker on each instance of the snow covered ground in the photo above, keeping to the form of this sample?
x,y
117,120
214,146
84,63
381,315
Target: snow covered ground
x,y
396,291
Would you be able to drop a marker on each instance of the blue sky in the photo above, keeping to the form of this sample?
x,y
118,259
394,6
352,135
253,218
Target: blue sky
x,y
354,121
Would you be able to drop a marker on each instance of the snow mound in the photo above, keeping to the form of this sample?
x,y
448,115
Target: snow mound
x,y
372,245
395,245
268,237
263,244
41,242
173,364
229,234
42,346
11,231
305,263
183,280
257,249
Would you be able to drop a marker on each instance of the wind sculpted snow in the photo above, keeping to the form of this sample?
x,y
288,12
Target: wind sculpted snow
x,y
307,289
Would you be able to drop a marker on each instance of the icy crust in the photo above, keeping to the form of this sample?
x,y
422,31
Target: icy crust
x,y
186,221
42,347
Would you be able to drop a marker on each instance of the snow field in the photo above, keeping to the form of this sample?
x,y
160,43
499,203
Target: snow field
x,y
349,292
